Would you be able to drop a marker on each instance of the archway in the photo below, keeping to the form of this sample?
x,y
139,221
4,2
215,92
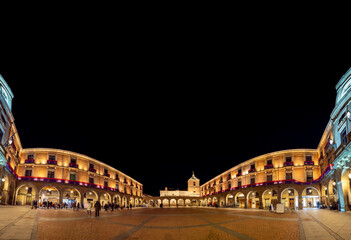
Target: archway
x,y
71,196
222,202
253,200
209,201
289,197
214,201
240,200
117,199
269,197
204,202
26,194
131,201
90,196
229,199
310,197
105,198
124,201
165,202
49,194
173,202
332,192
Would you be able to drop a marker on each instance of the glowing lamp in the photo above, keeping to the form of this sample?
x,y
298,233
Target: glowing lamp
x,y
349,175
348,114
334,183
3,179
331,141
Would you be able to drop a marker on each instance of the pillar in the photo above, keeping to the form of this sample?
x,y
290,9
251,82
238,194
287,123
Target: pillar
x,y
261,203
300,202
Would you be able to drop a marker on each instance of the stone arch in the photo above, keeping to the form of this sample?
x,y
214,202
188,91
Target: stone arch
x,y
173,202
253,199
239,200
289,197
26,193
332,191
90,196
165,202
49,193
131,201
181,202
222,201
269,196
105,197
310,197
124,201
229,200
187,202
209,201
71,195
204,202
116,199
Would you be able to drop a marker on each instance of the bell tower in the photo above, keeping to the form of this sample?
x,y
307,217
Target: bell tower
x,y
194,185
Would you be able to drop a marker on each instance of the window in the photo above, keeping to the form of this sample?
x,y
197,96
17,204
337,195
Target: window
x,y
239,171
252,166
252,180
105,170
29,191
117,178
51,174
28,173
269,161
239,183
74,160
308,158
194,183
91,165
269,178
52,157
91,180
288,176
309,176
105,183
308,191
288,159
343,136
30,156
72,176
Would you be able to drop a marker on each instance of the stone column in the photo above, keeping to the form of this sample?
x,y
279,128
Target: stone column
x,y
261,203
300,202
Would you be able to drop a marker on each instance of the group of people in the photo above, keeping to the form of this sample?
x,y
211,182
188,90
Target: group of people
x,y
108,206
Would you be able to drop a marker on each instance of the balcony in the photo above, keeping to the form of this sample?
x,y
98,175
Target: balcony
x,y
92,170
73,165
29,161
51,162
106,174
269,166
252,170
288,164
309,162
239,174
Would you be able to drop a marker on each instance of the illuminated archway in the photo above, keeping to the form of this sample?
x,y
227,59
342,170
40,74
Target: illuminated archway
x,y
269,197
240,200
49,194
289,197
26,194
310,197
253,199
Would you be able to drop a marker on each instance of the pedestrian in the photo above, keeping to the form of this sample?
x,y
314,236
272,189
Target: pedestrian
x,y
89,208
130,206
97,208
78,206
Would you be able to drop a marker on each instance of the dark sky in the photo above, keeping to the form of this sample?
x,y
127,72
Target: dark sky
x,y
158,104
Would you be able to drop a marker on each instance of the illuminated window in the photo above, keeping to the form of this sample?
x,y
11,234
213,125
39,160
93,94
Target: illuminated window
x,y
288,159
51,174
269,161
72,176
30,156
74,160
252,180
288,176
28,173
309,176
52,157
269,178
91,180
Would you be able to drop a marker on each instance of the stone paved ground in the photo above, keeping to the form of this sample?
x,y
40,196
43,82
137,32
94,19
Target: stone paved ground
x,y
17,222
167,223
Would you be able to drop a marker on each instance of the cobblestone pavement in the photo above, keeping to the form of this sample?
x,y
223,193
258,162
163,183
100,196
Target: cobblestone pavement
x,y
20,222
167,223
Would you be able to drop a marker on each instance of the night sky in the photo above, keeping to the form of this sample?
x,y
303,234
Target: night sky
x,y
157,107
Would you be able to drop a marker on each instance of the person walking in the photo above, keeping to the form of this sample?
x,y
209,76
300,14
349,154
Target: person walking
x,y
97,208
89,208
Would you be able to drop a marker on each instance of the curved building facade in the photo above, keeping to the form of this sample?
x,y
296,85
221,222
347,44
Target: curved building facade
x,y
62,176
54,175
298,177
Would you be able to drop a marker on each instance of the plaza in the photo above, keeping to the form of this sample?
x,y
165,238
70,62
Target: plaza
x,y
22,222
